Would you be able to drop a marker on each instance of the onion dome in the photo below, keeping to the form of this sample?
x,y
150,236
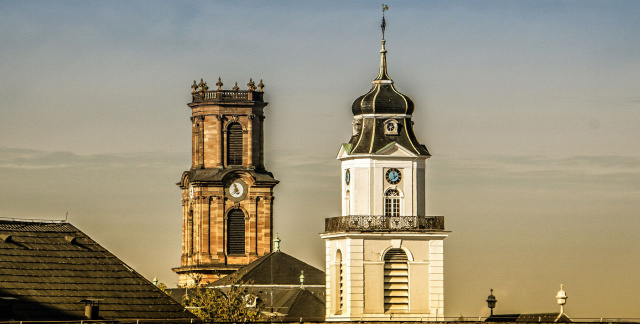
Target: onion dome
x,y
383,98
382,118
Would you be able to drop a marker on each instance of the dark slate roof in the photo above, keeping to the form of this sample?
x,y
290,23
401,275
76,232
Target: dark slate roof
x,y
544,317
537,317
372,139
275,277
303,305
378,105
275,268
50,267
383,98
283,302
219,175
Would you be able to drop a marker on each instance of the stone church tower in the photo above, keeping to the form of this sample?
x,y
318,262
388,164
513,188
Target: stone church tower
x,y
227,195
384,256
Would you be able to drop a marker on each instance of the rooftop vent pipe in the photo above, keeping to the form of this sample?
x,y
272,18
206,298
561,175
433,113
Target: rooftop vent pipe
x,y
91,308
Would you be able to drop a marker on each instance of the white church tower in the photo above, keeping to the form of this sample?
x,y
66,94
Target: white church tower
x,y
384,257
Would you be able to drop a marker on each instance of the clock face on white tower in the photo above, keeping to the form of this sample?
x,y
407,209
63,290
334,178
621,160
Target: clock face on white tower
x,y
393,176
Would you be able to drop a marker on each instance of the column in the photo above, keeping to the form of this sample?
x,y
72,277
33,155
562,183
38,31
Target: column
x,y
250,141
220,219
220,148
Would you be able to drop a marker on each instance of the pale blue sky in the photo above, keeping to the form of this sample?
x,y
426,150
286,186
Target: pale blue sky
x,y
530,109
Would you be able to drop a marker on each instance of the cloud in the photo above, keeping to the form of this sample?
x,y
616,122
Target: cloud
x,y
588,165
27,159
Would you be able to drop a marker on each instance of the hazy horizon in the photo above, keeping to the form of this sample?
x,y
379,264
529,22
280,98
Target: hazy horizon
x,y
530,110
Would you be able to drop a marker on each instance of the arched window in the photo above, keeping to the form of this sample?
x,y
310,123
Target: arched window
x,y
234,144
396,281
391,202
235,232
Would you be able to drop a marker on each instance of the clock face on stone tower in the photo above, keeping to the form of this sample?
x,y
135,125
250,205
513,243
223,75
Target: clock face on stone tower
x,y
393,176
236,190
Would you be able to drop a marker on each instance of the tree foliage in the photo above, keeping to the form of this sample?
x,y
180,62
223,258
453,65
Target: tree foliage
x,y
236,303
164,288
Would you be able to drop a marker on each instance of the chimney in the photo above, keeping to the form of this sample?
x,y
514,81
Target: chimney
x,y
91,308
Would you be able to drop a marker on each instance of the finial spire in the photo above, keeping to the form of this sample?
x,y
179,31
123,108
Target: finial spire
x,y
383,52
562,298
384,23
276,244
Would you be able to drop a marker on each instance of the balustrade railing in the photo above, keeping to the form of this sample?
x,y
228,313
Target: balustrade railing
x,y
372,223
227,95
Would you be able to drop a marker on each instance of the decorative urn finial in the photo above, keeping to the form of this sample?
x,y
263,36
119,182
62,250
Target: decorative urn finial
x,y
219,83
201,84
251,85
260,85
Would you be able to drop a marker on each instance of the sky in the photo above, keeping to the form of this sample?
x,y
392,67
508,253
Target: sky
x,y
530,110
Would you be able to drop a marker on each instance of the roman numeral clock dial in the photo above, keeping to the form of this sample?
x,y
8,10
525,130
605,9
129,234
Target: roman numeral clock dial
x,y
393,176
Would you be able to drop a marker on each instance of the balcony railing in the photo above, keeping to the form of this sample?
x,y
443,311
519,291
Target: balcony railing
x,y
227,95
371,223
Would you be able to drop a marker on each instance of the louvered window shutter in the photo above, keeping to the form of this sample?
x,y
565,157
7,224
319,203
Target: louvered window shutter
x,y
234,144
396,281
235,232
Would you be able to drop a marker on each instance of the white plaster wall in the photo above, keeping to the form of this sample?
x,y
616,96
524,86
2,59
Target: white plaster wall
x,y
436,269
353,277
363,274
367,184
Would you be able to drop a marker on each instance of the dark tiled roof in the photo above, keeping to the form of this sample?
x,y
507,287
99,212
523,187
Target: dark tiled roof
x,y
537,317
372,138
275,268
306,305
50,267
544,317
383,99
384,102
284,302
220,175
276,278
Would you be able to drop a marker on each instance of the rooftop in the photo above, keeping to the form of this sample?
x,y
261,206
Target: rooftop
x,y
47,269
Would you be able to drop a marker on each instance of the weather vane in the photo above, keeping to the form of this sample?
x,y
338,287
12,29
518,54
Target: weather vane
x,y
384,23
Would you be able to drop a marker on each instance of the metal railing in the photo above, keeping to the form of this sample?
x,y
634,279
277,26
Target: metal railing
x,y
372,223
